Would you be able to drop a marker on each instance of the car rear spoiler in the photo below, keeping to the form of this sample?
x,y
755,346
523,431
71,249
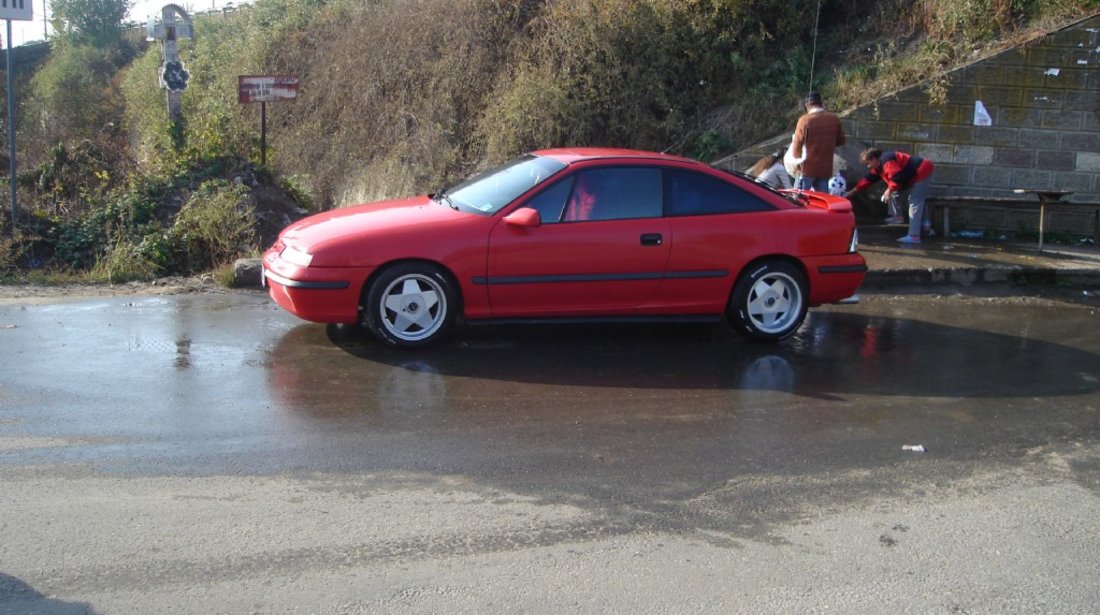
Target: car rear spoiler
x,y
821,200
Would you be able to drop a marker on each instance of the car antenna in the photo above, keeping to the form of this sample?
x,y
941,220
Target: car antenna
x,y
675,145
813,54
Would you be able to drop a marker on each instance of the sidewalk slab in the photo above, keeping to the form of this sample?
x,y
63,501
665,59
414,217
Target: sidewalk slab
x,y
963,261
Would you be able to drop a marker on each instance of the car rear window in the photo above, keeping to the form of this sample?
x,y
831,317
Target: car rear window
x,y
694,194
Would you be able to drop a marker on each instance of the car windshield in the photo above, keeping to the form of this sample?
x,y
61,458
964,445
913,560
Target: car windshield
x,y
490,191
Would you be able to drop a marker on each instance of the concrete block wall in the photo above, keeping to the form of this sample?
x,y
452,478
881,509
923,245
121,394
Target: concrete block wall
x,y
1043,98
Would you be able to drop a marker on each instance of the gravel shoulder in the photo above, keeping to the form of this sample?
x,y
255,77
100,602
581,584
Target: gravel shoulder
x,y
46,293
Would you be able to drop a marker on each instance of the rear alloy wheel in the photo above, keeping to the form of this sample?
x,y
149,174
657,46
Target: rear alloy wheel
x,y
769,301
409,305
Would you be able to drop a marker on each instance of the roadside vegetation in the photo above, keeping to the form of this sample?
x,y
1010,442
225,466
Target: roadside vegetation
x,y
404,96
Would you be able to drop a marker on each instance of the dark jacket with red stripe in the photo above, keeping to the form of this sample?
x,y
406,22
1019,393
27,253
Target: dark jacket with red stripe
x,y
899,170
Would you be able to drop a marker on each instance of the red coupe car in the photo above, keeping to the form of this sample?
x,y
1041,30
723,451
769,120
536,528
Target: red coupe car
x,y
572,234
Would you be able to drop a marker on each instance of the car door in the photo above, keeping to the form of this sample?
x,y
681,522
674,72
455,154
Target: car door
x,y
716,229
601,247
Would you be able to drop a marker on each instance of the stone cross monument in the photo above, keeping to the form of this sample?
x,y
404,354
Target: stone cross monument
x,y
175,24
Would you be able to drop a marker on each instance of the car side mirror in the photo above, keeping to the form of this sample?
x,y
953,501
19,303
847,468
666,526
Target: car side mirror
x,y
525,217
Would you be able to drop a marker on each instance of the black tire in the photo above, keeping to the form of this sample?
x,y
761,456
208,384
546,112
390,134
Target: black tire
x,y
769,301
409,305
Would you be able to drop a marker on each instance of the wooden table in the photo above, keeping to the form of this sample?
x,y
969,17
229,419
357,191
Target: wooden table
x,y
1046,197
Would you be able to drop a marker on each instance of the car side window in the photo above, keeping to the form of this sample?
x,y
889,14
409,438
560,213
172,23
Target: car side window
x,y
550,203
615,193
696,194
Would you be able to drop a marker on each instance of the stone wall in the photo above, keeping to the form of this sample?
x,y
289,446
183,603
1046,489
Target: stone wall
x,y
1043,102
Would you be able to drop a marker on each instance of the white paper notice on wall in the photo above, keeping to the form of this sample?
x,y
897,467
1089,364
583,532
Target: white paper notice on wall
x,y
981,116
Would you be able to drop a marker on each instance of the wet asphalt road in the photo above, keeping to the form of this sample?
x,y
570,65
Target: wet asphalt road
x,y
210,453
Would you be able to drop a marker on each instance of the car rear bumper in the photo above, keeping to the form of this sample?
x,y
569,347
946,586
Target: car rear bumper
x,y
835,278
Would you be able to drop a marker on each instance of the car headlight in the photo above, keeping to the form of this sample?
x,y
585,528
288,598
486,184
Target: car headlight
x,y
295,256
854,245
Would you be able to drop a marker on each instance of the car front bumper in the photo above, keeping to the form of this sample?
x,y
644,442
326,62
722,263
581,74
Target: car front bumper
x,y
316,294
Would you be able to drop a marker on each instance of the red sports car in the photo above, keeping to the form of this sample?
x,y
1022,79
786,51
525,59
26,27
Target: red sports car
x,y
572,234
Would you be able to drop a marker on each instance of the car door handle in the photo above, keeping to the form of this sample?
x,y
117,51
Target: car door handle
x,y
652,239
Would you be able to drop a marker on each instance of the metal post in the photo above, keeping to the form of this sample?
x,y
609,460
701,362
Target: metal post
x,y
1042,220
11,130
263,134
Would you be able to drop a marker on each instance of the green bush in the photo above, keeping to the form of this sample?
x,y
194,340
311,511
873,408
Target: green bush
x,y
214,227
75,96
7,255
695,78
146,115
81,242
125,262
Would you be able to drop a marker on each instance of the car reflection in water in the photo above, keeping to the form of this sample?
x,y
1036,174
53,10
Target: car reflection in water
x,y
832,356
581,412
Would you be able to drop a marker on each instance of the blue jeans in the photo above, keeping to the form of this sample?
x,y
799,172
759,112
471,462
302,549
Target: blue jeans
x,y
918,192
819,184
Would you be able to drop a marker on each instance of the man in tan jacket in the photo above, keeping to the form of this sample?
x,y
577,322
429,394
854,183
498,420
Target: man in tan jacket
x,y
819,132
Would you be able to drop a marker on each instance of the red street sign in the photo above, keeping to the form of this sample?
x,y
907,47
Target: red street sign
x,y
266,88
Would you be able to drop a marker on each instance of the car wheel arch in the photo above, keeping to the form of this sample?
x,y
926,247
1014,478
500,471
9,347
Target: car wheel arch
x,y
782,305
384,267
769,258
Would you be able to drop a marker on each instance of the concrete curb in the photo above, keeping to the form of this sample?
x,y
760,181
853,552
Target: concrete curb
x,y
971,276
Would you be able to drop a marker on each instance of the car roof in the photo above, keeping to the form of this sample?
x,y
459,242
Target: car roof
x,y
578,154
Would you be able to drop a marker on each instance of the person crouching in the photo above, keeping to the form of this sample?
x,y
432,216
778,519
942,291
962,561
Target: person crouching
x,y
901,172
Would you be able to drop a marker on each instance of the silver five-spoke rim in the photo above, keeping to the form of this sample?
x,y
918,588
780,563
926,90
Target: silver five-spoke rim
x,y
774,302
413,307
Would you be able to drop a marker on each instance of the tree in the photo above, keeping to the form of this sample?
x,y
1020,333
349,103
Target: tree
x,y
97,22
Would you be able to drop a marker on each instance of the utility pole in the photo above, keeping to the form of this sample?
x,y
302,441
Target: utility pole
x,y
19,10
11,134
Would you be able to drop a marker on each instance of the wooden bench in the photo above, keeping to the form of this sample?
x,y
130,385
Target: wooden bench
x,y
944,204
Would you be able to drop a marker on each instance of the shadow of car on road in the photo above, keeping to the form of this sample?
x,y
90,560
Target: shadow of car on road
x,y
833,354
672,427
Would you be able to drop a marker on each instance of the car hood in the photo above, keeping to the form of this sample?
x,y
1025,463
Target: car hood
x,y
316,233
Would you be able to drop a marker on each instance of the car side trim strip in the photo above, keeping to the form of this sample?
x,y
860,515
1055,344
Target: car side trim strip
x,y
280,280
842,269
676,275
596,277
564,320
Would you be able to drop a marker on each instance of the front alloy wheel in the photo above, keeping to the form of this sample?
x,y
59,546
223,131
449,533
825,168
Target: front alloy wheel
x,y
409,305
